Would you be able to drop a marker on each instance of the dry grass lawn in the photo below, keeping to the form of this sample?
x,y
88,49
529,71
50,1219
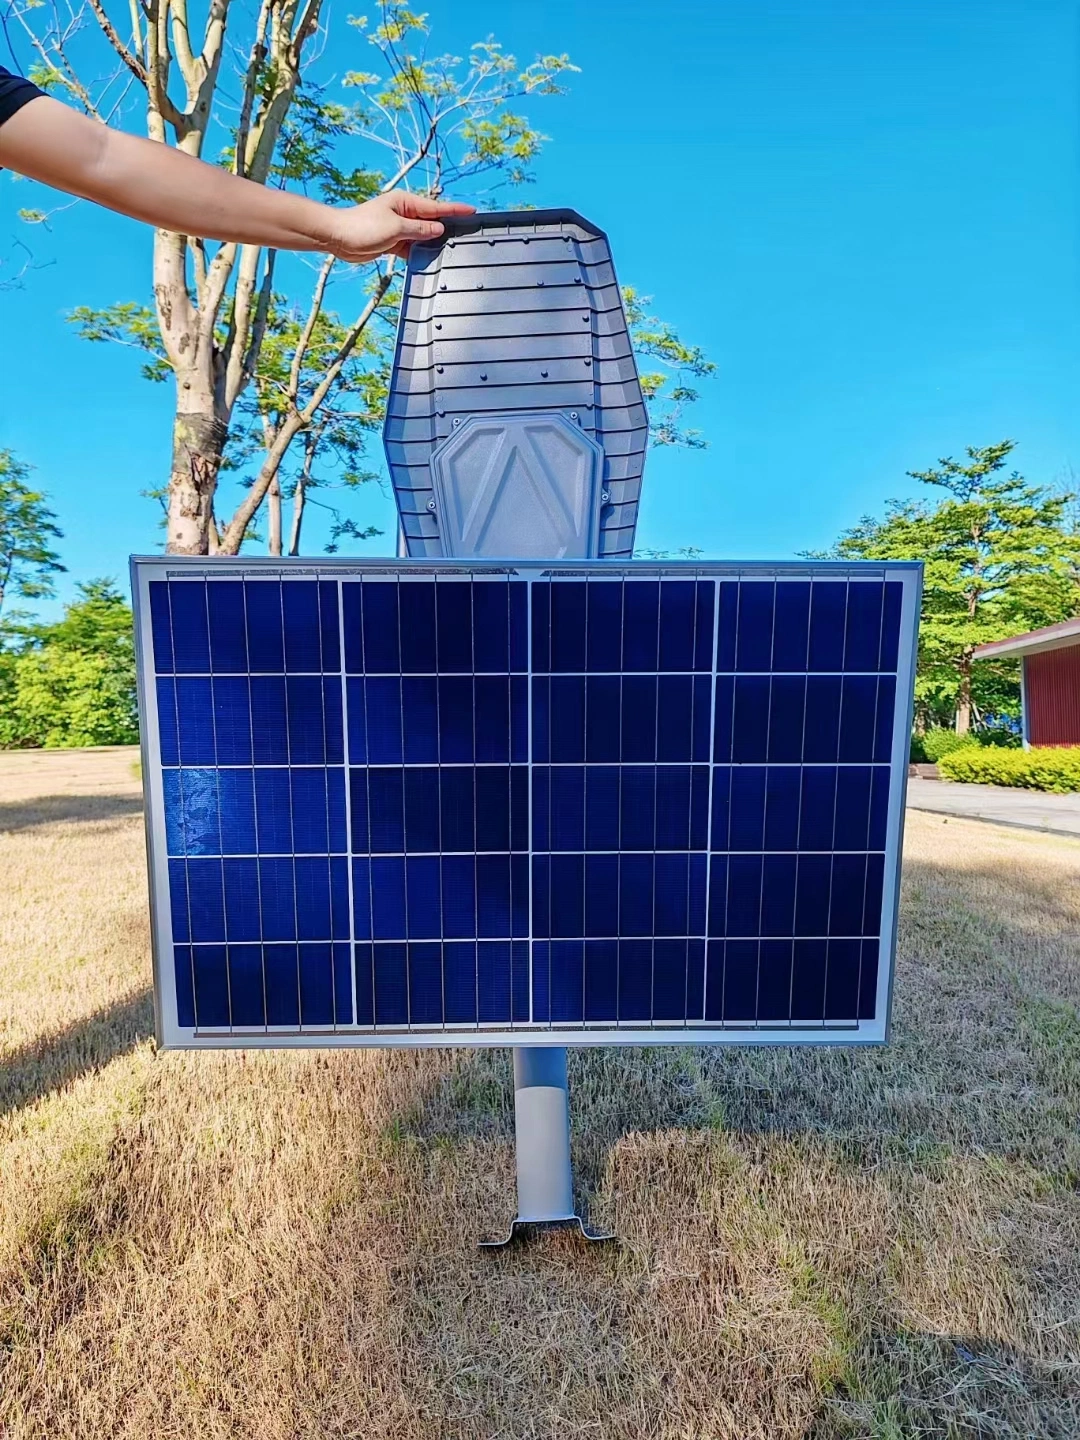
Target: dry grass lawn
x,y
814,1244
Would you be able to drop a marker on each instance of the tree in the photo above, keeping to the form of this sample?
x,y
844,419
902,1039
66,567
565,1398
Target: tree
x,y
72,682
224,319
27,525
1000,557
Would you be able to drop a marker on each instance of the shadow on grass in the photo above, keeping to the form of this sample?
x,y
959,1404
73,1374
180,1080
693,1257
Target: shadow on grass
x,y
16,815
55,1060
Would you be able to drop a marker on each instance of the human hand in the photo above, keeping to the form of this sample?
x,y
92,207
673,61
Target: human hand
x,y
389,225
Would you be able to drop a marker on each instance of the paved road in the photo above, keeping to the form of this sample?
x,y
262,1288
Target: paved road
x,y
1029,809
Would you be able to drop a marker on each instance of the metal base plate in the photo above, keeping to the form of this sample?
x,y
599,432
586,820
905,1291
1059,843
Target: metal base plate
x,y
522,1229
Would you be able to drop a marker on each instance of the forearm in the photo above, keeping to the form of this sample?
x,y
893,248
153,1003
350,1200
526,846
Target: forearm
x,y
156,183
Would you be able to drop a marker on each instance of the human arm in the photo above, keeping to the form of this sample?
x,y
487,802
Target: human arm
x,y
50,142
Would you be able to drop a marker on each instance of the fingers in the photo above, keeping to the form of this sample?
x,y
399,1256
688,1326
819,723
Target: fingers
x,y
419,229
420,207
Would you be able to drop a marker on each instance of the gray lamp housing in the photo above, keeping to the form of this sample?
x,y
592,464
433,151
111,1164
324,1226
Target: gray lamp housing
x,y
515,426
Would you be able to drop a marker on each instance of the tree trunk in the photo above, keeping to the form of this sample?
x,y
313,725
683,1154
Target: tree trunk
x,y
198,441
273,506
299,500
963,699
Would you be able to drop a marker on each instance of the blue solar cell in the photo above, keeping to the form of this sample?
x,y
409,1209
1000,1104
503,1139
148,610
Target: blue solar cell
x,y
161,627
755,628
739,996
330,639
454,625
787,718
168,733
382,701
743,894
391,984
520,896
636,894
459,896
601,895
669,981
671,894
601,987
809,959
842,979
862,643
277,898
566,898
388,912
425,984
567,984
868,978
639,704
675,718
423,897
858,716
604,627
852,807
699,808
695,980
179,910
519,719
886,711
241,879
678,617
303,628
791,626
774,979
602,807
195,721
812,894
380,625
247,1003
270,737
418,650
492,808
519,808
232,719
386,809
727,625
227,626
817,808
704,624
265,628
750,719
205,901
459,982
568,633
635,979
352,626
879,808
828,607
783,792
778,874
421,809
641,625
419,720
747,814
494,964
875,885
361,898
566,798
637,827
603,718
339,897
673,807
311,832
493,920
363,972
218,812
822,734
491,718
313,920
457,733
190,631
457,809
566,723
185,985
491,626
210,965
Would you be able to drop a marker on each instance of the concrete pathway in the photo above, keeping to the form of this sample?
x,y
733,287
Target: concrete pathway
x,y
1028,809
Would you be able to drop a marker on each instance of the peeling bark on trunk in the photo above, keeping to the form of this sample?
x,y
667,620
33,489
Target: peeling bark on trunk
x,y
198,441
273,506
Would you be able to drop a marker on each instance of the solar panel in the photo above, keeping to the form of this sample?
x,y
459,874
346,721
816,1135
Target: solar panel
x,y
421,802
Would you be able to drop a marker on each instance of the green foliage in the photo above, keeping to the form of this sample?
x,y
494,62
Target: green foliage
x,y
937,743
667,391
1000,557
27,526
1041,768
73,682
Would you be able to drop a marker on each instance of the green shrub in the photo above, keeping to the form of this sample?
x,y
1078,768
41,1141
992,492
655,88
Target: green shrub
x,y
58,698
1046,768
936,743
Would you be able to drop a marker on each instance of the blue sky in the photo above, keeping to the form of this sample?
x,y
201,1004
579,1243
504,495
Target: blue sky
x,y
866,214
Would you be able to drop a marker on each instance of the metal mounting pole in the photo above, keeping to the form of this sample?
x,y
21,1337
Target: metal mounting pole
x,y
545,1185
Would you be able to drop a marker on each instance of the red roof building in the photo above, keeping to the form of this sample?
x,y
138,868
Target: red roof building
x,y
1049,681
